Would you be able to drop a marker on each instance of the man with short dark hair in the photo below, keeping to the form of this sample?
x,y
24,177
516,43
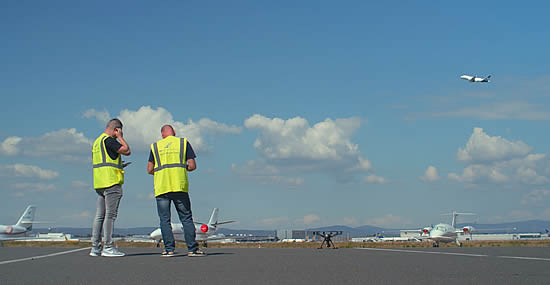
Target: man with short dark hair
x,y
169,161
108,179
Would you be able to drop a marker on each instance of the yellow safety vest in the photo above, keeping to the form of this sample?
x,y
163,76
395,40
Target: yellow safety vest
x,y
107,171
170,165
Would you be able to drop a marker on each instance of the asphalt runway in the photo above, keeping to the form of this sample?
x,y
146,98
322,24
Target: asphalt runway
x,y
279,266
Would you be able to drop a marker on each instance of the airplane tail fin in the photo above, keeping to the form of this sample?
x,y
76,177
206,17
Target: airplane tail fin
x,y
27,218
214,217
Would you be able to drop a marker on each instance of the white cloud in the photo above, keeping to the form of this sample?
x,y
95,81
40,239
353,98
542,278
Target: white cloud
x,y
350,221
35,187
25,188
535,196
373,179
388,220
63,144
497,160
142,127
484,148
9,146
309,219
255,168
273,221
102,116
23,170
480,173
262,173
80,184
301,147
430,175
529,175
82,217
294,138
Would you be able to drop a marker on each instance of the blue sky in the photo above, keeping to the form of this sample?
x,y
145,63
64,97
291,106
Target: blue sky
x,y
302,113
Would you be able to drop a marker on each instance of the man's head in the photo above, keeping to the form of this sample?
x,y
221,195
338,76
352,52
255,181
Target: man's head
x,y
167,131
112,125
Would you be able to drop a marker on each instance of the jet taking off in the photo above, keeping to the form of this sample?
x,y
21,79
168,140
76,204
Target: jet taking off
x,y
444,232
203,232
475,78
22,228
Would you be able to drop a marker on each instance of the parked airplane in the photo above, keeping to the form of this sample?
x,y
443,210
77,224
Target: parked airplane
x,y
444,232
22,228
204,232
475,78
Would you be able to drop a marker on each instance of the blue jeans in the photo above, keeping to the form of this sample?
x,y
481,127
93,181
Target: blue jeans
x,y
183,207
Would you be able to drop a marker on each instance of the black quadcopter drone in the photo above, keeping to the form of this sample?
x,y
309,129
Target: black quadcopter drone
x,y
327,238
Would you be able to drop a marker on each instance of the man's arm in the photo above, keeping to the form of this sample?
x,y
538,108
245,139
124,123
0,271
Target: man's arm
x,y
150,168
191,164
125,148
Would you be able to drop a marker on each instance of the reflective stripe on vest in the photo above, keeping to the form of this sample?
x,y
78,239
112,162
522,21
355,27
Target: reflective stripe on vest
x,y
106,171
170,169
104,157
161,166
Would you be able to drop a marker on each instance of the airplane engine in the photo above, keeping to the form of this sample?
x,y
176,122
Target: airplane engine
x,y
204,228
426,231
468,229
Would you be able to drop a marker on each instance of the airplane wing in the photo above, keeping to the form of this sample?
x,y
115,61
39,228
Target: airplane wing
x,y
221,223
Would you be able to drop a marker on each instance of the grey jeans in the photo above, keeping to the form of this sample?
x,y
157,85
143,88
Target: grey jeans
x,y
108,200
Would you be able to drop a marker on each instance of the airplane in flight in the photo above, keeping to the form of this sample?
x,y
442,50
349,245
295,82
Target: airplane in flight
x,y
444,233
22,228
475,78
204,232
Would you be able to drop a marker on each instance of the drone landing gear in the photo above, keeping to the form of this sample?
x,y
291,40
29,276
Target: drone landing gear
x,y
327,238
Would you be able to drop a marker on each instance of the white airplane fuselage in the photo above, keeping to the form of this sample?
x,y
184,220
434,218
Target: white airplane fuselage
x,y
202,231
443,233
22,228
475,78
13,231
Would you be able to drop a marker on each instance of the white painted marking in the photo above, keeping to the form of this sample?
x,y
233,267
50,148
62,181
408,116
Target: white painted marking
x,y
428,252
42,256
525,258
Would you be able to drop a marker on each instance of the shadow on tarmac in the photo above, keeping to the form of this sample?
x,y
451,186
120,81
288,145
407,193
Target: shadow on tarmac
x,y
176,255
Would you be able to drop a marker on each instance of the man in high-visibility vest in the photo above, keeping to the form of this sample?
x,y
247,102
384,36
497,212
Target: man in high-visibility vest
x,y
169,161
108,179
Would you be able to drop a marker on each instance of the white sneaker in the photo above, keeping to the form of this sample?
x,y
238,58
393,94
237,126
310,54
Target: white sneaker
x,y
112,252
96,251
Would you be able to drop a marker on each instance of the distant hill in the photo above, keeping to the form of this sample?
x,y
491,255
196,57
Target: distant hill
x,y
352,232
531,226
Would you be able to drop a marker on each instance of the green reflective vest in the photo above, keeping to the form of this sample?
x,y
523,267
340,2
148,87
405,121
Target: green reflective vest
x,y
107,171
170,165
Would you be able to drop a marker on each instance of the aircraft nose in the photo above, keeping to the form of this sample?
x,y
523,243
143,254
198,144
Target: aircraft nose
x,y
155,234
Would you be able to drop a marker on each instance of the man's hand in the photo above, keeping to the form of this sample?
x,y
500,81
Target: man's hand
x,y
118,133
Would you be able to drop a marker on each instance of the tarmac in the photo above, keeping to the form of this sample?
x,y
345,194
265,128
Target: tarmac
x,y
490,265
